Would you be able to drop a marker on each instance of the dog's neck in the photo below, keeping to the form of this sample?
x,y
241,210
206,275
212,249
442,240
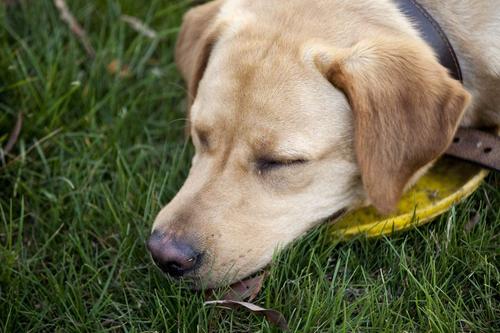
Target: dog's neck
x,y
433,34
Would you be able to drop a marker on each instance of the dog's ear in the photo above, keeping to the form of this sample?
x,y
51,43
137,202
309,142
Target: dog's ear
x,y
406,110
194,44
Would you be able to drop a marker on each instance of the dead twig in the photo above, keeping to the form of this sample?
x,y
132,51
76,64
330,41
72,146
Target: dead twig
x,y
33,146
10,2
139,26
14,134
75,27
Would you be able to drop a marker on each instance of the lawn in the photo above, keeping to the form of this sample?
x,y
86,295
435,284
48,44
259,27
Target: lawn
x,y
102,149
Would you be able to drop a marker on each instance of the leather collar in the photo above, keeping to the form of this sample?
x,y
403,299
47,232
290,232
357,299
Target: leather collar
x,y
433,34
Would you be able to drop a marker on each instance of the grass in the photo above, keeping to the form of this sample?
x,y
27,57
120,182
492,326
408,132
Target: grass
x,y
100,154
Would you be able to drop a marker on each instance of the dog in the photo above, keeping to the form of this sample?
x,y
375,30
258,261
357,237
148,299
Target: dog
x,y
303,109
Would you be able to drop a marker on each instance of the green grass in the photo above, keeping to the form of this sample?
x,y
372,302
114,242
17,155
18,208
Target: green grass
x,y
98,157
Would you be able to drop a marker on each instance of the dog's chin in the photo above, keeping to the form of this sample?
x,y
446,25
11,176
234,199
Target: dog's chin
x,y
208,281
204,280
199,283
208,285
212,283
193,282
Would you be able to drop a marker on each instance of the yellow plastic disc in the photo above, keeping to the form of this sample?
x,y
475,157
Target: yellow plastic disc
x,y
448,182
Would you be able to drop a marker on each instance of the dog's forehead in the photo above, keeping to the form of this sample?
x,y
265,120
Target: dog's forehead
x,y
262,92
302,118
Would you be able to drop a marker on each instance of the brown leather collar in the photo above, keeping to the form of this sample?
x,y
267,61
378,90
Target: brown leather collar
x,y
433,34
472,145
477,146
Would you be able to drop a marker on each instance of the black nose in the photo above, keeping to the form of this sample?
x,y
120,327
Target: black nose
x,y
173,256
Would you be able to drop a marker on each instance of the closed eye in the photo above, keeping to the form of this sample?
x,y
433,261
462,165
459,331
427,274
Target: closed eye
x,y
268,164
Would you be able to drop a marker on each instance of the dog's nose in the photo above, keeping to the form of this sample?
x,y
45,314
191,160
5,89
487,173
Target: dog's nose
x,y
173,256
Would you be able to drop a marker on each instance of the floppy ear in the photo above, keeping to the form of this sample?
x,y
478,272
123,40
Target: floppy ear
x,y
194,44
406,110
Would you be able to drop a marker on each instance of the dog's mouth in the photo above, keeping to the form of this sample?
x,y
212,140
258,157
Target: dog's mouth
x,y
199,277
251,281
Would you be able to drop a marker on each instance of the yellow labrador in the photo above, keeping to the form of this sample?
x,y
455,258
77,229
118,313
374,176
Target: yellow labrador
x,y
302,109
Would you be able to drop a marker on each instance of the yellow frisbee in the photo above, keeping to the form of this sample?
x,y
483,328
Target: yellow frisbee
x,y
447,183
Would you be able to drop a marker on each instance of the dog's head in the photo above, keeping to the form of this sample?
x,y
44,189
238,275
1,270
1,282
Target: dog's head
x,y
289,133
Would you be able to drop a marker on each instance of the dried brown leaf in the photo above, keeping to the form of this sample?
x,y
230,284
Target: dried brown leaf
x,y
246,290
274,317
116,67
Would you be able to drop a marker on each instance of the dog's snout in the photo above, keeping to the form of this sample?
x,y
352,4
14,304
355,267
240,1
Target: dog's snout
x,y
173,256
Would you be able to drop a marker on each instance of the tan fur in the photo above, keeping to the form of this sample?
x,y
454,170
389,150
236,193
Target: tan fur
x,y
349,87
194,44
404,123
